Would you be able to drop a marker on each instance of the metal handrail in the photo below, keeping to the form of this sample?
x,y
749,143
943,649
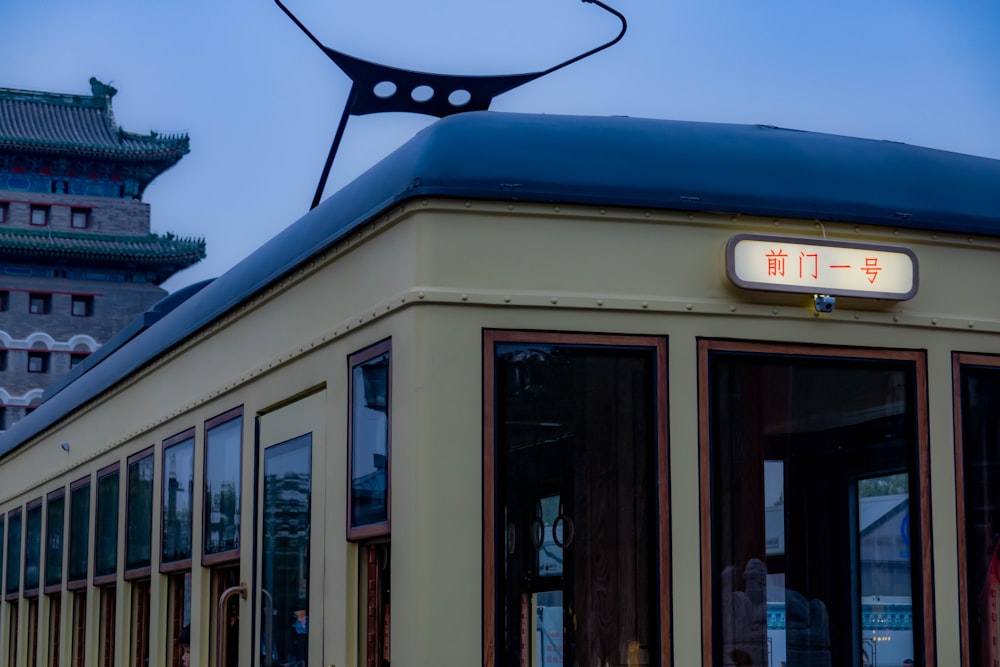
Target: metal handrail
x,y
220,637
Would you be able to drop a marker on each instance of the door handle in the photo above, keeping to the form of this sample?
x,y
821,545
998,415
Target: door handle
x,y
220,635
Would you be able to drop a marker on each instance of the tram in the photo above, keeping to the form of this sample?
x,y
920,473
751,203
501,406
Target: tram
x,y
543,390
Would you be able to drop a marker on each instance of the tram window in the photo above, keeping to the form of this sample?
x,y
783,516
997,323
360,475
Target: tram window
x,y
32,638
32,547
79,533
376,598
221,520
178,497
812,487
79,629
178,616
12,583
106,525
369,452
139,515
55,625
54,528
977,419
106,623
12,634
579,445
1,544
139,649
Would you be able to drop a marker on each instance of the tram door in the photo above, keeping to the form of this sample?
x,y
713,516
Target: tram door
x,y
814,464
287,591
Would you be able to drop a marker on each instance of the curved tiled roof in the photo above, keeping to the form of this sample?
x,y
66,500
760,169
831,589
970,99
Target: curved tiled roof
x,y
161,255
631,162
76,124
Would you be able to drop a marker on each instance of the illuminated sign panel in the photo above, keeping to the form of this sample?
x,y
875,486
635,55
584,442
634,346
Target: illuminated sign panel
x,y
784,264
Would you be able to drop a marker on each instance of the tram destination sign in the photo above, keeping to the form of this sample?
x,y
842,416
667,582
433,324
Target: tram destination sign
x,y
789,264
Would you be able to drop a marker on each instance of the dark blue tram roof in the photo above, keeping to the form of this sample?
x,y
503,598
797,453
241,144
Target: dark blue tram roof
x,y
631,162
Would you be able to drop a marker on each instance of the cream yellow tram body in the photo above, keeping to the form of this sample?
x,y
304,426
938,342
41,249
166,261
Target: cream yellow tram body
x,y
544,390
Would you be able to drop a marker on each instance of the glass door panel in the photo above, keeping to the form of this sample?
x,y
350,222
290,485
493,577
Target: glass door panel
x,y
288,581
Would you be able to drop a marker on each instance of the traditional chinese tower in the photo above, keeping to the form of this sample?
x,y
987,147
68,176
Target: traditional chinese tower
x,y
77,258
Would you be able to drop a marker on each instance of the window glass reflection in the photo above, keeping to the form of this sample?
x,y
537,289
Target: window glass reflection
x,y
980,428
54,527
79,532
32,546
811,508
178,496
106,540
285,553
222,487
139,531
370,442
13,580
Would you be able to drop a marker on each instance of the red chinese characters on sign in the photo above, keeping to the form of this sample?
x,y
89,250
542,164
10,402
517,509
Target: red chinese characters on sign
x,y
871,268
809,265
776,263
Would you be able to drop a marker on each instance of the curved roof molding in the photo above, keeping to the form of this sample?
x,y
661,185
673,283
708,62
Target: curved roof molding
x,y
629,162
82,340
40,340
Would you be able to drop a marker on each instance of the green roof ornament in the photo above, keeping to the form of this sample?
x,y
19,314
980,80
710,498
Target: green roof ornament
x,y
101,90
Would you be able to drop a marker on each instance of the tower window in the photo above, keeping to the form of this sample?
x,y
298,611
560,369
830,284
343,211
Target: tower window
x,y
4,301
3,212
40,215
80,218
76,357
83,306
38,362
39,304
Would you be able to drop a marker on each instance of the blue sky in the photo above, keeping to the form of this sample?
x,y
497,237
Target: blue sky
x,y
261,102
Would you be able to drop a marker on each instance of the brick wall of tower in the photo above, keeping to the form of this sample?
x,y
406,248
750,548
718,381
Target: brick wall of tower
x,y
107,215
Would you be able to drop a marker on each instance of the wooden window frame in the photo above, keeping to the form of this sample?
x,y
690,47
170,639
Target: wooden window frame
x,y
144,572
53,589
31,593
112,577
54,629
382,528
78,584
167,567
658,344
9,597
781,350
139,626
231,555
78,631
32,635
958,360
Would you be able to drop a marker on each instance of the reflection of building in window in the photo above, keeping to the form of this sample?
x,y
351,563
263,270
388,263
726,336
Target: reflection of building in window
x,y
369,455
